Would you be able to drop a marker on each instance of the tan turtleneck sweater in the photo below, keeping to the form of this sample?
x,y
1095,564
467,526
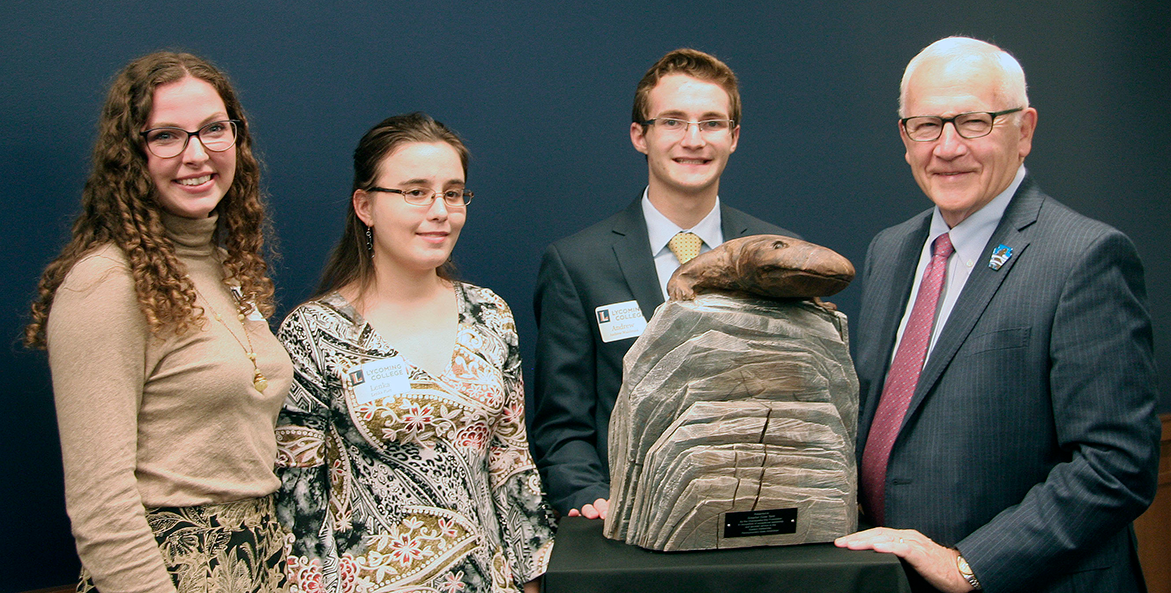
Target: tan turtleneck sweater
x,y
156,421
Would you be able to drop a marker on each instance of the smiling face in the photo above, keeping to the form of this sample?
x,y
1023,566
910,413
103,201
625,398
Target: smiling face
x,y
406,236
191,184
962,175
687,165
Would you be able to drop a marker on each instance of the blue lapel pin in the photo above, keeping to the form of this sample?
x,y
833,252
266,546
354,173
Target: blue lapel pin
x,y
999,255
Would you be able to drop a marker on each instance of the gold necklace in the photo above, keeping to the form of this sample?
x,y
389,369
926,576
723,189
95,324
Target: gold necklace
x,y
259,381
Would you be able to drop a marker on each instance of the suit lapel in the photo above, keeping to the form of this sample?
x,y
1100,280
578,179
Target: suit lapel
x,y
632,248
981,287
731,223
895,289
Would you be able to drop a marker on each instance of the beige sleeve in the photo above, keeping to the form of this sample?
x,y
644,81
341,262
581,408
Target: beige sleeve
x,y
97,339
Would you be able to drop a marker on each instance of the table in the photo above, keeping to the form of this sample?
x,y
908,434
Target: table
x,y
584,561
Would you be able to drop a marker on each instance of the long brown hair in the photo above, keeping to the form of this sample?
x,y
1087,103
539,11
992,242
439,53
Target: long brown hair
x,y
350,261
120,206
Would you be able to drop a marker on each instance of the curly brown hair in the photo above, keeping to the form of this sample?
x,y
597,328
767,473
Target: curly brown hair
x,y
120,206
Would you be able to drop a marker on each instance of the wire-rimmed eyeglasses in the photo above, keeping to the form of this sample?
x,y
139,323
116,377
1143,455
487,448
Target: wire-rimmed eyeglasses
x,y
675,125
421,196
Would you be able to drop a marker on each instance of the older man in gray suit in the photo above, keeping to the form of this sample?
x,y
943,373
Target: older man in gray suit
x,y
1008,435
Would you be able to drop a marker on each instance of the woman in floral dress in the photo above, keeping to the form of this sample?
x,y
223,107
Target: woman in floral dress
x,y
402,446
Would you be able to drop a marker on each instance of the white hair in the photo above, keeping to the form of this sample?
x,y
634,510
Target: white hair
x,y
979,55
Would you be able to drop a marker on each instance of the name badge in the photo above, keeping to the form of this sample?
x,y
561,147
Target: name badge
x,y
620,321
380,378
254,315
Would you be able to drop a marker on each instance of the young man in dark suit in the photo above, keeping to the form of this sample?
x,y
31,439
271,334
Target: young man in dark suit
x,y
596,289
1007,434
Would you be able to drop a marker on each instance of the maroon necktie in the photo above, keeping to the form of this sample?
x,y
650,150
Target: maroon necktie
x,y
901,380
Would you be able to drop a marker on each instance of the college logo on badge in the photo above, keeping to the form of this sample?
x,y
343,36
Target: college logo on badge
x,y
356,377
619,321
999,255
379,379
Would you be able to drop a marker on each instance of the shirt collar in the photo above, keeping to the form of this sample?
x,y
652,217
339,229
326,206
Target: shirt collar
x,y
660,229
971,235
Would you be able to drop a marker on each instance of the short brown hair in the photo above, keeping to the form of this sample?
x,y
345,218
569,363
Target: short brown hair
x,y
691,62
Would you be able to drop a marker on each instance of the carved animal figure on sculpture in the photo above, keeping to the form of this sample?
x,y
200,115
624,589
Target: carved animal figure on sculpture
x,y
771,266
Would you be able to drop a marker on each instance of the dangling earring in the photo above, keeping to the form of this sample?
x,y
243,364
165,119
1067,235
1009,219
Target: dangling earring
x,y
370,242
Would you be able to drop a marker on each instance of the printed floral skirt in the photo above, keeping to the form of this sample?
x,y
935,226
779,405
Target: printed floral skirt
x,y
235,547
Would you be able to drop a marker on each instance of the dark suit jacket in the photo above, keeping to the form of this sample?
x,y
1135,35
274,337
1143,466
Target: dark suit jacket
x,y
1031,440
578,376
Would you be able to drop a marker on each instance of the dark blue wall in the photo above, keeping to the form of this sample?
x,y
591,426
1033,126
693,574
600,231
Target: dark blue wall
x,y
542,94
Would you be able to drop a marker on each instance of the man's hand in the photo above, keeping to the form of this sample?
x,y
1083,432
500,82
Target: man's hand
x,y
932,561
592,511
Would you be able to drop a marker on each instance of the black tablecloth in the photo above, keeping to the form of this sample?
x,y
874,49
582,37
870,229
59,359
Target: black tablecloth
x,y
584,561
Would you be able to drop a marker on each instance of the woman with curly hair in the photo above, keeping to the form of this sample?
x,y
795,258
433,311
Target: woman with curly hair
x,y
166,377
402,448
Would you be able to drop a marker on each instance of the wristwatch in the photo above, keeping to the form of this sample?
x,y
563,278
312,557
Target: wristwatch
x,y
966,572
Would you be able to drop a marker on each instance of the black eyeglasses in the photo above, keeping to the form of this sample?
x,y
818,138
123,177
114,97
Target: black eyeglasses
x,y
419,196
166,143
975,124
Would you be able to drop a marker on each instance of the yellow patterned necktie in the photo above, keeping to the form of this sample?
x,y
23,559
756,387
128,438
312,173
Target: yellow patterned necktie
x,y
685,246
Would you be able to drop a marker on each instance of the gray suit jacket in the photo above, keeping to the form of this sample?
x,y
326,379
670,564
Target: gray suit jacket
x,y
1031,442
577,374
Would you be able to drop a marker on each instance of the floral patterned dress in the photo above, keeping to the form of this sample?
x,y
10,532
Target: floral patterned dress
x,y
421,485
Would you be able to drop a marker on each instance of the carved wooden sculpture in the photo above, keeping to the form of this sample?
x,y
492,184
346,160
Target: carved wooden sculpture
x,y
736,421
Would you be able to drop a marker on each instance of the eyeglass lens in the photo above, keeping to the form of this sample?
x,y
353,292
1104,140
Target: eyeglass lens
x,y
424,197
216,136
709,126
967,125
